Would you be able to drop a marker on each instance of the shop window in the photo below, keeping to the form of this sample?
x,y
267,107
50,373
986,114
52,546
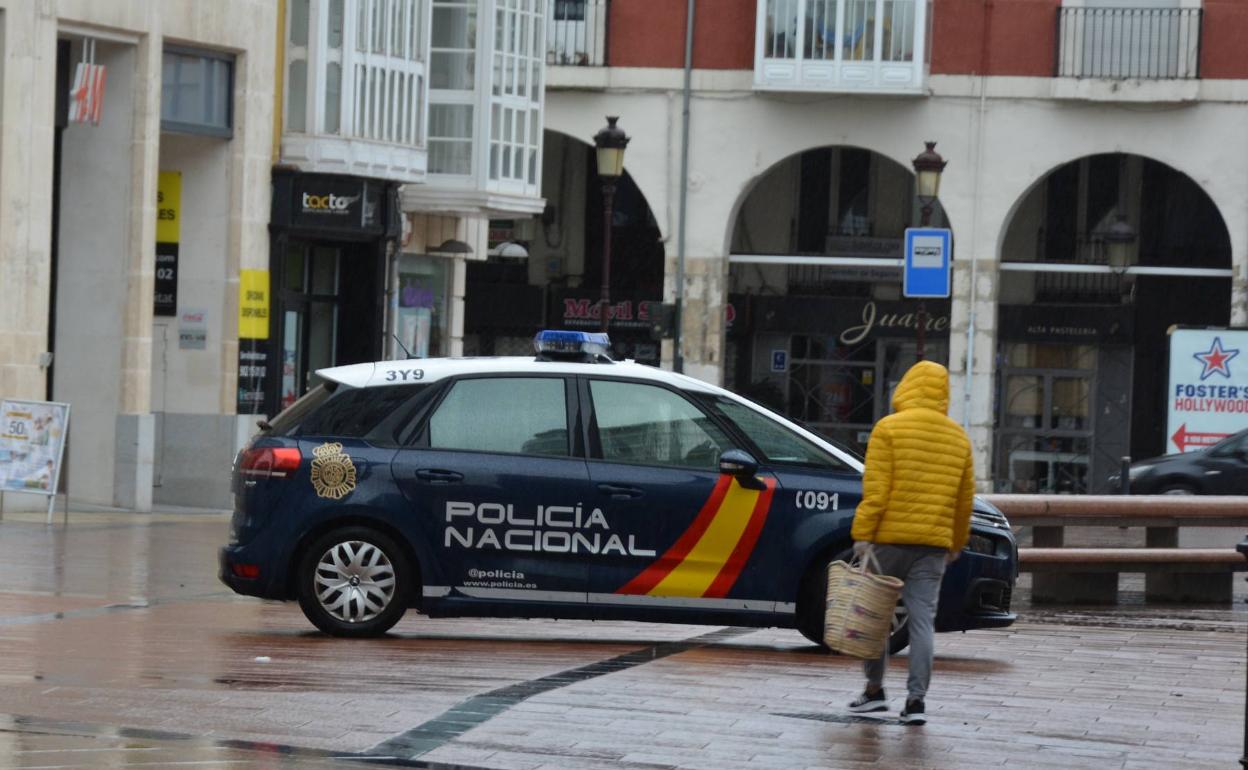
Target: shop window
x,y
421,317
516,415
196,92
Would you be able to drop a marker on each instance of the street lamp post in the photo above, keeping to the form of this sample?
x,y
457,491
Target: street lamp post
x,y
1242,547
928,166
609,144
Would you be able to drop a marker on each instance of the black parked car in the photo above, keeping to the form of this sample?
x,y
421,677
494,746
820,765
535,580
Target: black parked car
x,y
1222,469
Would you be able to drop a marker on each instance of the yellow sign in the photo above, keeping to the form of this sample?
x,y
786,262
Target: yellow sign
x,y
253,304
333,473
168,206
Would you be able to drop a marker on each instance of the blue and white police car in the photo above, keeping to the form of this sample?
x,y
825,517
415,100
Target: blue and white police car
x,y
564,486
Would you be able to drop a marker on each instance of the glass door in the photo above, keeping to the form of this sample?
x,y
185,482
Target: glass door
x,y
1045,424
310,309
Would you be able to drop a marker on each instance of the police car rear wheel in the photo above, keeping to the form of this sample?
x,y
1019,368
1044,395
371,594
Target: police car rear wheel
x,y
814,597
354,582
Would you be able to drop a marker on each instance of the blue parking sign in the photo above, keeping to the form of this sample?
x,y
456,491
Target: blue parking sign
x,y
929,254
779,360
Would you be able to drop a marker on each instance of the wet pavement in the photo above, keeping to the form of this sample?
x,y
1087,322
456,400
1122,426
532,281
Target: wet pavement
x,y
118,648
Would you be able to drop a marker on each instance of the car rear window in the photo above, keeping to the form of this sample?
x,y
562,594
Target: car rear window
x,y
288,420
356,412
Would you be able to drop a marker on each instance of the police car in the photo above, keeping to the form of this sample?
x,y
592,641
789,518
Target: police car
x,y
562,486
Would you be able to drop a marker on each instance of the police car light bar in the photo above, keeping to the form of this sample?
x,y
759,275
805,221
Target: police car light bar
x,y
591,347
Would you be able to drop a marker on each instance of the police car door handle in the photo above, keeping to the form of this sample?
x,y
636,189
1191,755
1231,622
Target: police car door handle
x,y
434,476
619,492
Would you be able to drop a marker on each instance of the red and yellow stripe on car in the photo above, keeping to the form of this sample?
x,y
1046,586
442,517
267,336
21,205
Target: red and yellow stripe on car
x,y
707,558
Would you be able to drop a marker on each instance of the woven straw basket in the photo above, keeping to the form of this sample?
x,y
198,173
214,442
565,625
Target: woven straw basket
x,y
859,608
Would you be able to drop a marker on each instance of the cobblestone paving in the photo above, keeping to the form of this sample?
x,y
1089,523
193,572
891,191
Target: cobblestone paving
x,y
116,640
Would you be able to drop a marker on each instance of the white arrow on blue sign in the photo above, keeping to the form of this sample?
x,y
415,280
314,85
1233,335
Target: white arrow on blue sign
x,y
929,254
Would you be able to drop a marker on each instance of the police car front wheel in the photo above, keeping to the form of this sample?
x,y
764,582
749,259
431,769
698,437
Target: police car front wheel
x,y
354,582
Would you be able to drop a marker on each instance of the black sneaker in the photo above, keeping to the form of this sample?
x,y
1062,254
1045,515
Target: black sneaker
x,y
869,701
913,714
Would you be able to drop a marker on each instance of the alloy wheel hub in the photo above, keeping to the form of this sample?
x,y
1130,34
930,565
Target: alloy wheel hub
x,y
354,581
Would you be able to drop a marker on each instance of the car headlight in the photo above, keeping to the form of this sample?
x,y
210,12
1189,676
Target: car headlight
x,y
1135,471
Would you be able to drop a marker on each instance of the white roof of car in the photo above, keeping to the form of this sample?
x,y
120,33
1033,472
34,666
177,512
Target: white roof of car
x,y
434,369
427,370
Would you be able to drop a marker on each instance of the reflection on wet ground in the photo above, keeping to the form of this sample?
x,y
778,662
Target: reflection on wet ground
x,y
118,648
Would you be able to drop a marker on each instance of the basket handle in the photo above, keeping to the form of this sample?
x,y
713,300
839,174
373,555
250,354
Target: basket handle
x,y
863,563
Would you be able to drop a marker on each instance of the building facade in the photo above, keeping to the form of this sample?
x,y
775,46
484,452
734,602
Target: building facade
x,y
406,126
1093,189
133,184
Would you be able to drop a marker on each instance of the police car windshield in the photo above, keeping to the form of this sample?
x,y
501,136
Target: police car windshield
x,y
777,443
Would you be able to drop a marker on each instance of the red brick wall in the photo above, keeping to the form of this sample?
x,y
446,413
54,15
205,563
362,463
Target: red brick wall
x,y
651,33
1225,40
1003,37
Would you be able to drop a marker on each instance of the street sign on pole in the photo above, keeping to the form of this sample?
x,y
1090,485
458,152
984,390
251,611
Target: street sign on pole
x,y
929,255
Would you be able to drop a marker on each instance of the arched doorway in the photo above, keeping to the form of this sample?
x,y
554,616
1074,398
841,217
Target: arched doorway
x,y
817,326
557,286
1099,259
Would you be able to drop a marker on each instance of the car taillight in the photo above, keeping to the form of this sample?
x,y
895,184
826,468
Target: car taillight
x,y
269,462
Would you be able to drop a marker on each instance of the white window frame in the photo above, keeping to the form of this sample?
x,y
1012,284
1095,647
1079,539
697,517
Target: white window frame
x,y
385,134
839,74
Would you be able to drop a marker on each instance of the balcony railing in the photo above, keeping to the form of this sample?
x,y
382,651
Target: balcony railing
x,y
576,33
841,45
1129,43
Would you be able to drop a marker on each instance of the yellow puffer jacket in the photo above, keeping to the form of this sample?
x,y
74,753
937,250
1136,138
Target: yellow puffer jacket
x,y
919,482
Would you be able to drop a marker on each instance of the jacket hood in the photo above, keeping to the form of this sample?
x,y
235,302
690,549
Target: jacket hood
x,y
924,386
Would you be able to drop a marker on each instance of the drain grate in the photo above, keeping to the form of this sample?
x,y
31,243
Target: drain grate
x,y
844,719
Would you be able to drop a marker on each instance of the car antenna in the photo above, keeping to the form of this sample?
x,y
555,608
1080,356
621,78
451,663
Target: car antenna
x,y
403,347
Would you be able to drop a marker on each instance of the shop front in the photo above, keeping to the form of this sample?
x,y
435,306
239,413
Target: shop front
x,y
1064,396
330,238
830,363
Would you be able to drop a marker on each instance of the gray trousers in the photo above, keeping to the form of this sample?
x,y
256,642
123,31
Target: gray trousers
x,y
921,567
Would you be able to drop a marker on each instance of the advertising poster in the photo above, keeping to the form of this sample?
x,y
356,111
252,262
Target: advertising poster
x,y
1208,396
168,236
32,440
253,330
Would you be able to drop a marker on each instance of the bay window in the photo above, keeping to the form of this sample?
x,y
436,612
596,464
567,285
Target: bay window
x,y
841,45
355,90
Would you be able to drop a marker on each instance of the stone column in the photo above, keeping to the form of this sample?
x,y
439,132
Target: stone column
x,y
27,118
971,396
703,316
135,423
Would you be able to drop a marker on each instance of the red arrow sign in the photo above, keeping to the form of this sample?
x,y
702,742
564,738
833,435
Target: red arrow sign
x,y
1182,439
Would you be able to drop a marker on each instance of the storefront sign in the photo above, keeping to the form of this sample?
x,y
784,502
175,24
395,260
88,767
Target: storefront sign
x,y
334,202
168,236
253,368
850,320
1070,324
1208,396
625,314
32,444
253,304
193,330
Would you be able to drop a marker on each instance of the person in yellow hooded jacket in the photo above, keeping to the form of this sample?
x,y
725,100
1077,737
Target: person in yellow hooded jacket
x,y
915,517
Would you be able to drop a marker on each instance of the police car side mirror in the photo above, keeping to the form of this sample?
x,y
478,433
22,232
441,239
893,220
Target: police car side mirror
x,y
740,465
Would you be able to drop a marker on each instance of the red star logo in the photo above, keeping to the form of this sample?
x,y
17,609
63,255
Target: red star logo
x,y
1215,360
